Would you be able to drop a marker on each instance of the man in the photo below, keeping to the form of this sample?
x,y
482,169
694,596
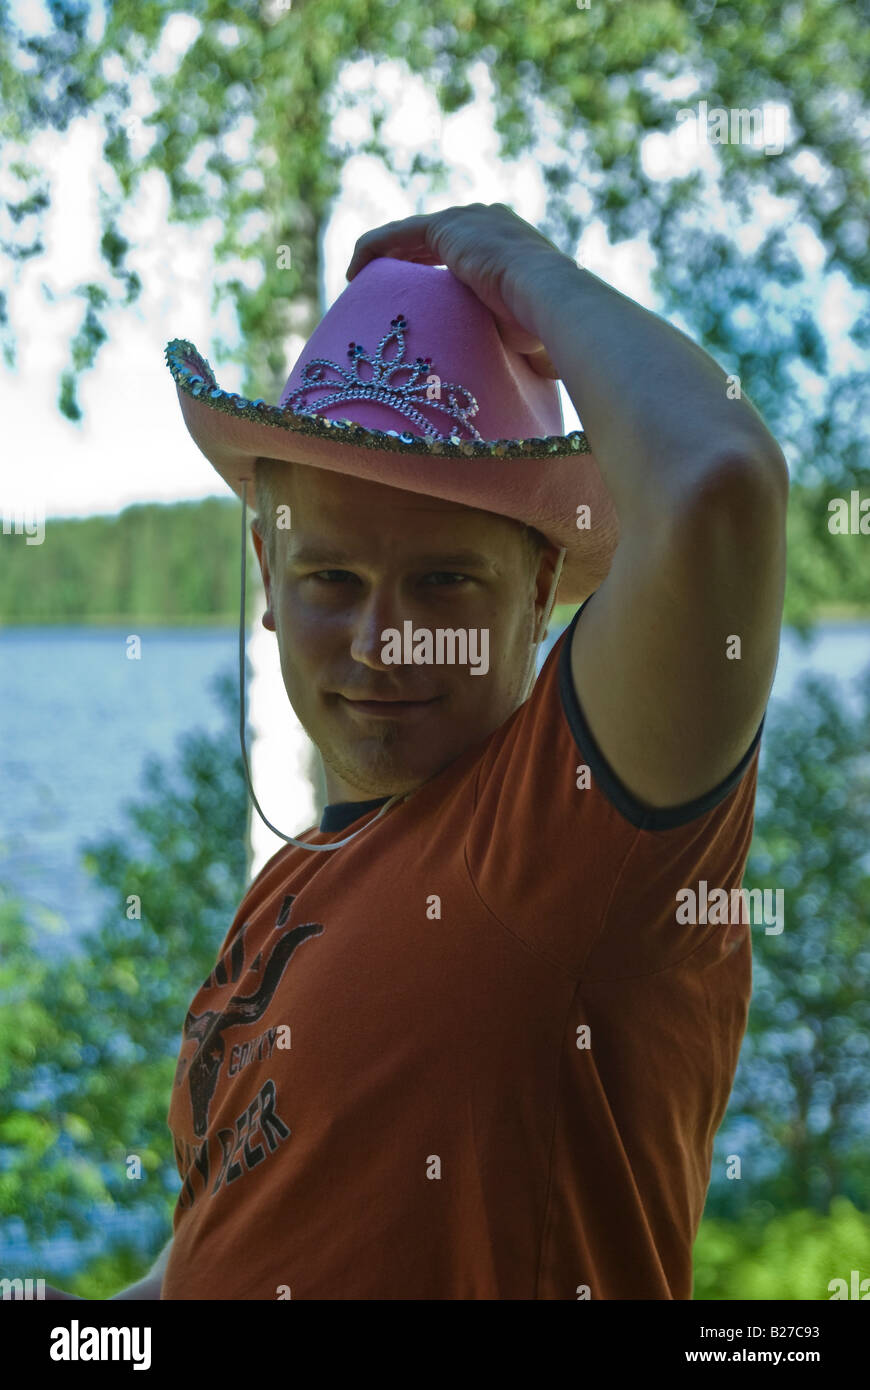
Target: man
x,y
464,1044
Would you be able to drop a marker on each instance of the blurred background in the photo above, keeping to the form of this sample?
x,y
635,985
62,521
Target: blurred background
x,y
203,172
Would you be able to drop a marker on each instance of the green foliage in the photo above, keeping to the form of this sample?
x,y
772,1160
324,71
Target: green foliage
x,y
105,1274
828,574
792,1256
88,1045
801,1096
151,564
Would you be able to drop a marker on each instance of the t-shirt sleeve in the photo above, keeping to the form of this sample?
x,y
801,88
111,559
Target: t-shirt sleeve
x,y
564,856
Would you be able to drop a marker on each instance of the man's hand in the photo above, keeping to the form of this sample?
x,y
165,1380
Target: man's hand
x,y
488,248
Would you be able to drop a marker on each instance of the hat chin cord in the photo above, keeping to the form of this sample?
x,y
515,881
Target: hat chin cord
x,y
303,844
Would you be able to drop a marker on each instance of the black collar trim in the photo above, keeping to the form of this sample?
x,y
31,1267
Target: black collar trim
x,y
338,815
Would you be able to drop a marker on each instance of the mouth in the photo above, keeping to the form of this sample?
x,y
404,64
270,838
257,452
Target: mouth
x,y
389,709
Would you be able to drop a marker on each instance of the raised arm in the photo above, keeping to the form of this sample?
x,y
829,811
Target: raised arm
x,y
674,657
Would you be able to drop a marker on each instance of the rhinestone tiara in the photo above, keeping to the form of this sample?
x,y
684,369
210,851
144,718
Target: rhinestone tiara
x,y
460,404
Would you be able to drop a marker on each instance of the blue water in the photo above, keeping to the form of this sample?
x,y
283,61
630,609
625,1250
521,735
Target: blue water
x,y
79,720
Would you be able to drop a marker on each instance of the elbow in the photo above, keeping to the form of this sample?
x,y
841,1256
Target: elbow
x,y
758,476
742,484
738,509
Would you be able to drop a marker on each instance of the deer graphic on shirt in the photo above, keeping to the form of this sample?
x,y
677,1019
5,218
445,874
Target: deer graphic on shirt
x,y
207,1029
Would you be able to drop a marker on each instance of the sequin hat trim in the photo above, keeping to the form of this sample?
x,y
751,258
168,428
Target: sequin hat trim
x,y
193,375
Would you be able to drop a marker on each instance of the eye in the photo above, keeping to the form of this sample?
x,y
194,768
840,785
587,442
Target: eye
x,y
449,576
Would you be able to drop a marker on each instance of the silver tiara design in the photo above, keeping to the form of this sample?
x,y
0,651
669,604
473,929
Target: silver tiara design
x,y
454,401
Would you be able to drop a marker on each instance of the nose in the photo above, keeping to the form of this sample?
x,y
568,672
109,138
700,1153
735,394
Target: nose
x,y
377,612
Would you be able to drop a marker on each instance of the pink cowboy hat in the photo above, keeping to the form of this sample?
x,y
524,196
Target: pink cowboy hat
x,y
406,381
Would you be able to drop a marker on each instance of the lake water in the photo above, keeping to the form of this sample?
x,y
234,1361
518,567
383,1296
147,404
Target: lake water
x,y
79,720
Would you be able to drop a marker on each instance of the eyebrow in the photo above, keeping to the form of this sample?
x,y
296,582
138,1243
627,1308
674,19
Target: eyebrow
x,y
456,559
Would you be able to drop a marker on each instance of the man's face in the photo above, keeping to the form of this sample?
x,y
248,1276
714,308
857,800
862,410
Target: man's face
x,y
360,558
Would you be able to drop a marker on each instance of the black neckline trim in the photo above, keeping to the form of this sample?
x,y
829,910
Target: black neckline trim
x,y
634,811
338,815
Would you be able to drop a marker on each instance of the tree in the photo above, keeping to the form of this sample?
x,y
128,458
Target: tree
x,y
794,1255
799,1114
243,129
88,1046
152,563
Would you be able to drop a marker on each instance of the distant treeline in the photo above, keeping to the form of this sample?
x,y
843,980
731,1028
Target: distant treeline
x,y
153,563
179,564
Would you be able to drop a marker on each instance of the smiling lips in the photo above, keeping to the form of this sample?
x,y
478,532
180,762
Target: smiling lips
x,y
389,708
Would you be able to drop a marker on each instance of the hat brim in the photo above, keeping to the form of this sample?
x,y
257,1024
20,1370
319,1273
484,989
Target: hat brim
x,y
558,476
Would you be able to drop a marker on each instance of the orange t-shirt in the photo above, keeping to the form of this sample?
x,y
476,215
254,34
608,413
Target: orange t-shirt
x,y
472,1054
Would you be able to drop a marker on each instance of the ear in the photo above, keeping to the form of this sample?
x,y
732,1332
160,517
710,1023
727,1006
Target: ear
x,y
546,572
260,547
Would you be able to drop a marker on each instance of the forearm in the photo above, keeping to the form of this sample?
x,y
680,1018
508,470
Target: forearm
x,y
655,407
